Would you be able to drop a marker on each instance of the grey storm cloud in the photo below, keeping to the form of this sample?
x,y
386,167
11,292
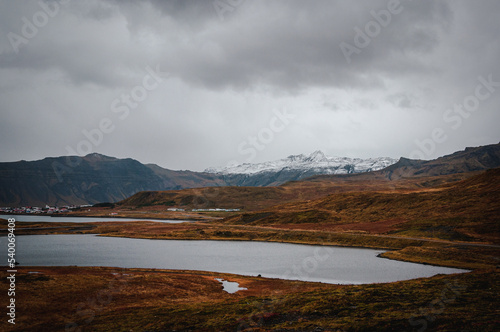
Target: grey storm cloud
x,y
293,45
231,63
287,44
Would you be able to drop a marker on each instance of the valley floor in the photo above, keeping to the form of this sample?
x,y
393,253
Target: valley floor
x,y
112,299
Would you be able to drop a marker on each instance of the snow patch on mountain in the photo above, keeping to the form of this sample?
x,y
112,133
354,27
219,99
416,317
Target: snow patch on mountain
x,y
316,162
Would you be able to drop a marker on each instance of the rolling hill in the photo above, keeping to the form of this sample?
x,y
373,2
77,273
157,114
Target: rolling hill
x,y
404,176
463,210
97,178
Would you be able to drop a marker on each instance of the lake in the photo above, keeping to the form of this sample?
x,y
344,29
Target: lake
x,y
45,218
326,264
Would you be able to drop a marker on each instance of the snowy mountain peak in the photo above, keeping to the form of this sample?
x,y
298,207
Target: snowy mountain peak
x,y
316,156
315,163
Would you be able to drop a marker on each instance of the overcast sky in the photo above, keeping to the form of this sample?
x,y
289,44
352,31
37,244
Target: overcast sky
x,y
193,84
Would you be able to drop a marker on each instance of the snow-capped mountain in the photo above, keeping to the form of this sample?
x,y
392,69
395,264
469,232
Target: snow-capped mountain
x,y
315,163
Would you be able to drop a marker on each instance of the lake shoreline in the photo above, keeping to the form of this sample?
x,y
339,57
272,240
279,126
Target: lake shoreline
x,y
447,254
103,298
328,264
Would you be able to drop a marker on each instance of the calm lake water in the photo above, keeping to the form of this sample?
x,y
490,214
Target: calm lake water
x,y
273,260
45,218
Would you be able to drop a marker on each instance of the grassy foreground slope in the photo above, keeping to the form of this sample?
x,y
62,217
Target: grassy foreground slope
x,y
111,299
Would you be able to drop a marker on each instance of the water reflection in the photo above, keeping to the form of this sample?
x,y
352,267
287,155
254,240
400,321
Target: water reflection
x,y
271,260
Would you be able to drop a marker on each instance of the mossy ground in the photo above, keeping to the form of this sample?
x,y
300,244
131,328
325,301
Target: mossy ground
x,y
109,299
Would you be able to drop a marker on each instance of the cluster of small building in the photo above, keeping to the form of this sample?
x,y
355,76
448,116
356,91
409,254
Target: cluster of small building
x,y
215,210
205,210
38,210
68,208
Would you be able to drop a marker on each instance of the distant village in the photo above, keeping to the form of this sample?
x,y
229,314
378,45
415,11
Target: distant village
x,y
66,209
46,210
205,210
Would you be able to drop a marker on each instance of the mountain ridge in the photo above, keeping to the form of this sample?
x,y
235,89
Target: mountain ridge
x,y
97,178
470,159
